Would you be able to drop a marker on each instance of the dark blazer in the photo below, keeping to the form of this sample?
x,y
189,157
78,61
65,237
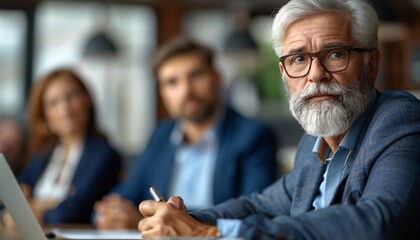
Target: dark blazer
x,y
377,198
246,160
97,171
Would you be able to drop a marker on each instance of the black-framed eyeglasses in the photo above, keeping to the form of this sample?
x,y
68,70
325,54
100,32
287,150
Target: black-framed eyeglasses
x,y
334,59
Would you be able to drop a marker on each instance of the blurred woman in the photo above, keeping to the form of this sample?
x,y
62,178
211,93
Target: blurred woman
x,y
72,165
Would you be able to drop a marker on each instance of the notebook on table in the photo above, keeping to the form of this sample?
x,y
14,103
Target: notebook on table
x,y
26,223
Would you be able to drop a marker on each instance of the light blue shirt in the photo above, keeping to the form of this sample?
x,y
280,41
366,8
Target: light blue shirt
x,y
322,200
193,170
347,147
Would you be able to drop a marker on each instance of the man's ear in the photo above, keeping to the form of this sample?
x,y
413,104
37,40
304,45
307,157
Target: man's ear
x,y
374,60
281,68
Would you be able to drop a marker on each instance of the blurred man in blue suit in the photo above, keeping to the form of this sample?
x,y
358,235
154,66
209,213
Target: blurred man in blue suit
x,y
207,152
357,170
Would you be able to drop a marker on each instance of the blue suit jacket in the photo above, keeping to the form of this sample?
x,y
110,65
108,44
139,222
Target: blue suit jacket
x,y
377,198
246,160
98,170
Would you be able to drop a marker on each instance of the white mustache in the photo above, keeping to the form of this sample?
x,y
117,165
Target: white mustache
x,y
315,89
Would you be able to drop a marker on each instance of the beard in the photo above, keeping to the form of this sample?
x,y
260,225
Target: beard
x,y
331,117
202,114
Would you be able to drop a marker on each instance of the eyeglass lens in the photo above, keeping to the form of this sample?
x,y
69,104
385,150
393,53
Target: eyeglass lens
x,y
333,60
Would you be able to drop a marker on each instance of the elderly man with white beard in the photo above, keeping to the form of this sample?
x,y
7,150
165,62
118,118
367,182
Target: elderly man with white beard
x,y
357,168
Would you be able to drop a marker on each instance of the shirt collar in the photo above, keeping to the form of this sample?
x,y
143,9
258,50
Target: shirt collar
x,y
351,138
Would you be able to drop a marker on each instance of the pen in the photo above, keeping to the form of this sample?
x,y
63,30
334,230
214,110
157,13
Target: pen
x,y
157,196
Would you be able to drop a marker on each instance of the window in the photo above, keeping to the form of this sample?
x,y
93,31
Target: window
x,y
12,47
121,83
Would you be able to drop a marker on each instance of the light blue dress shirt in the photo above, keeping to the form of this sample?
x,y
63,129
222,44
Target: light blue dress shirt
x,y
193,170
230,227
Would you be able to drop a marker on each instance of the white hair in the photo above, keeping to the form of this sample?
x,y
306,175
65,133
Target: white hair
x,y
363,18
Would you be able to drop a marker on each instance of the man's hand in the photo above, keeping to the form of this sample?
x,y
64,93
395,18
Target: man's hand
x,y
114,212
171,219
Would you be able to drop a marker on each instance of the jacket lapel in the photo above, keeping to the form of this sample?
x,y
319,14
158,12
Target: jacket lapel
x,y
85,159
220,189
310,178
338,192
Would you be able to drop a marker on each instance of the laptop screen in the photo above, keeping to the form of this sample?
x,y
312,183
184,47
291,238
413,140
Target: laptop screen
x,y
16,204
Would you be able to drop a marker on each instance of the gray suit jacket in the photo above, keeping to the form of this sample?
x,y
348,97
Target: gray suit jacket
x,y
378,197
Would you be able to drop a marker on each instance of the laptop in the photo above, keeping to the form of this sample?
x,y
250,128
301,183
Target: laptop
x,y
26,223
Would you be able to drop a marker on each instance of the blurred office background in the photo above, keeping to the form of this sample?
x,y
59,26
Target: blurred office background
x,y
110,43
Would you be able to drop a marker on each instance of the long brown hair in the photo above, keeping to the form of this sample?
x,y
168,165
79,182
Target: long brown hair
x,y
39,136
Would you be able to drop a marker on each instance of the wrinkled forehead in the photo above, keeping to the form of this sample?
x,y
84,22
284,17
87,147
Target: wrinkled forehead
x,y
317,32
